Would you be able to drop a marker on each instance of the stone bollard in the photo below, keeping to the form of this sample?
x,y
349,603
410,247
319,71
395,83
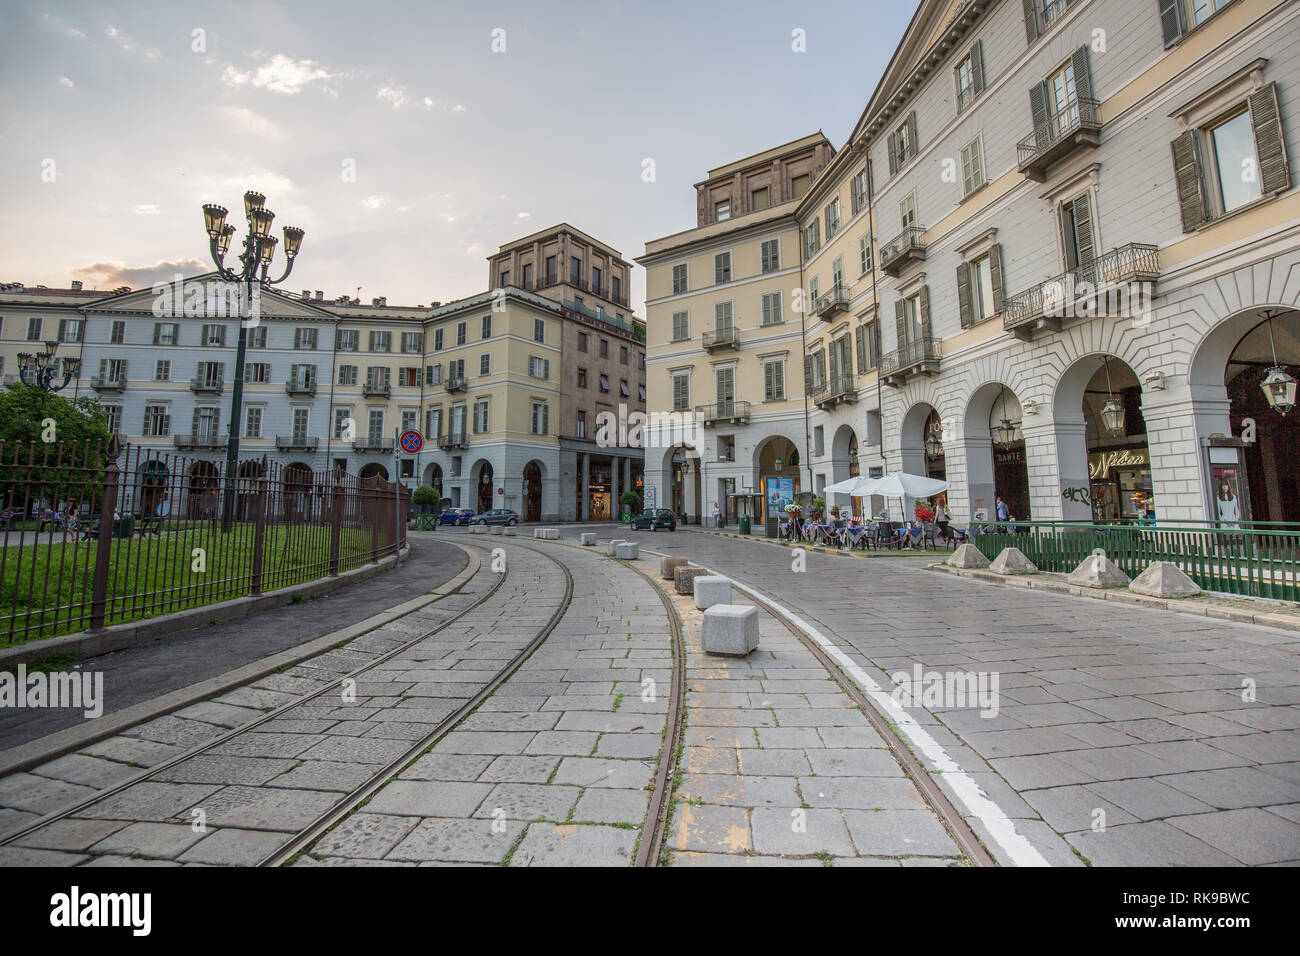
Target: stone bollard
x,y
1012,561
684,578
730,630
510,532
968,556
587,539
497,529
478,529
1164,579
627,551
549,534
668,567
1098,571
711,589
611,549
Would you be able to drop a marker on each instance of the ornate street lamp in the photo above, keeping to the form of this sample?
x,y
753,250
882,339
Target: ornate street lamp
x,y
38,370
934,440
1112,413
1008,432
253,269
1279,385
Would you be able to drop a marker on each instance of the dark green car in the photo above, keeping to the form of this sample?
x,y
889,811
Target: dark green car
x,y
652,519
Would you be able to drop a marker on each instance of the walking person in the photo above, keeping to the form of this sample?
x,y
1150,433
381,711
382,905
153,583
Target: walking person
x,y
717,516
1004,513
941,515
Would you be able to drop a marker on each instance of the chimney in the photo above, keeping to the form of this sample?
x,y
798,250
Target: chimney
x,y
76,285
434,305
379,301
306,295
320,296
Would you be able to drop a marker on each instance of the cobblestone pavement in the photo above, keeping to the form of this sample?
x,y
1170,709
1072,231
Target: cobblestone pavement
x,y
257,788
1122,738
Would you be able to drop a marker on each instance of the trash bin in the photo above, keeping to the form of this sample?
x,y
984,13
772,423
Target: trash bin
x,y
773,530
744,524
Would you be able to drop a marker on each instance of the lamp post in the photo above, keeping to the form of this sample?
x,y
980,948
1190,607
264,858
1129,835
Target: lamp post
x,y
1279,385
252,270
38,370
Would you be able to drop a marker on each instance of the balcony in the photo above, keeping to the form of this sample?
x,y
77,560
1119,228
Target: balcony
x,y
838,391
300,388
600,317
207,386
374,444
450,440
832,303
199,442
915,358
903,250
296,443
457,383
101,383
732,413
725,337
1059,138
371,390
1110,286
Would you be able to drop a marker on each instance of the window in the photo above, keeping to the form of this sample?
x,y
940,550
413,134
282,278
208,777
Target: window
x,y
774,380
487,327
461,332
595,280
550,270
505,279
381,341
580,425
162,371
112,370
257,372
485,364
623,390
214,336
604,348
205,423
868,342
303,376
112,417
864,253
347,375
814,370
575,270
972,167
157,421
907,211
437,340
539,367
681,391
257,337
1232,148
412,342
253,423
812,240
408,377
979,287
1180,17
456,371
722,267
1077,237
375,425
902,143
970,75
301,419
604,383
769,254
70,330
34,328
724,383
433,374
799,185
681,326
622,354
582,378
349,340
433,422
772,308
541,418
679,278
640,390
832,218
858,190
814,289
539,330
118,335
582,341
722,210
481,416
164,333
377,376
616,288
304,338
528,284
912,317
760,198
837,274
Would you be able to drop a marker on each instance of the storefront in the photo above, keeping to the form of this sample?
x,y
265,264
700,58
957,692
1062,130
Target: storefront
x,y
1121,484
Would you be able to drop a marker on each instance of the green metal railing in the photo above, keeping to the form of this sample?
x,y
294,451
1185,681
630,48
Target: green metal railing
x,y
1256,559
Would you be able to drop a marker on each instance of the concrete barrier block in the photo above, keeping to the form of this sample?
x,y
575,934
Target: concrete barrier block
x,y
1012,561
478,528
588,539
497,529
612,547
968,556
668,567
1164,579
510,532
730,630
627,551
711,589
684,578
1098,571
548,534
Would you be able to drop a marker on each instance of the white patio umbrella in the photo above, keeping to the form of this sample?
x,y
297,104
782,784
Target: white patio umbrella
x,y
847,487
899,484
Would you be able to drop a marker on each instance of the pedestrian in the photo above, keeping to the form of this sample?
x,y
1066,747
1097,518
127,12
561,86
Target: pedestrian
x,y
941,516
1004,513
717,516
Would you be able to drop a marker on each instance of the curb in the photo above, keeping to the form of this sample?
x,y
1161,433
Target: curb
x,y
818,548
70,739
118,637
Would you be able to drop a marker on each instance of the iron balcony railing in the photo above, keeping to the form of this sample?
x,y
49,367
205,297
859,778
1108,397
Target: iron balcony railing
x,y
199,441
725,337
1054,298
1042,15
373,444
580,309
1054,139
294,387
371,390
296,443
102,383
906,247
833,302
207,386
453,440
917,354
731,411
838,390
456,383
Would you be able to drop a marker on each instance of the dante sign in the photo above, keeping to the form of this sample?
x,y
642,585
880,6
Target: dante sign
x,y
1099,465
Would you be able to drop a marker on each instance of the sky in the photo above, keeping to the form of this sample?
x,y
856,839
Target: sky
x,y
409,140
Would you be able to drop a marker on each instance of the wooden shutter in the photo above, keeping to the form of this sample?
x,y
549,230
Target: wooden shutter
x,y
1038,110
977,66
769,381
1171,21
807,373
913,143
1187,176
963,296
103,366
995,275
157,333
1086,249
834,363
893,153
1270,146
1082,73
194,424
546,368
925,312
1031,20
900,318
862,348
847,359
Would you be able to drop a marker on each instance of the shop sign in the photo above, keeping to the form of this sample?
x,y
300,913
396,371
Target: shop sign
x,y
1101,463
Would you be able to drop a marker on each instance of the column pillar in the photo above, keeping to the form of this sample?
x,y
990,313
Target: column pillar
x,y
627,474
586,487
613,487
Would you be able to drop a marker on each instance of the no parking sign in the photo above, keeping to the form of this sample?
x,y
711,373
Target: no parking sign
x,y
411,441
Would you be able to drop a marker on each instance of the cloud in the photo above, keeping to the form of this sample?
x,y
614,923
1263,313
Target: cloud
x,y
146,209
110,275
394,96
523,216
458,108
374,202
64,81
428,103
282,74
128,45
251,122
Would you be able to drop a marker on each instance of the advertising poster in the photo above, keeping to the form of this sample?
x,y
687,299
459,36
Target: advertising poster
x,y
780,492
1227,492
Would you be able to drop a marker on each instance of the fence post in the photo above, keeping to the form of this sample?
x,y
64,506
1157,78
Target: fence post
x,y
374,509
397,521
336,526
104,547
259,534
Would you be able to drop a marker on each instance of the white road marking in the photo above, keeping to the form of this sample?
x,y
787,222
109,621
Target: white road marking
x,y
974,800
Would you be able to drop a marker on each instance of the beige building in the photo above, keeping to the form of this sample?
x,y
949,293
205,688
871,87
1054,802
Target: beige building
x,y
1054,263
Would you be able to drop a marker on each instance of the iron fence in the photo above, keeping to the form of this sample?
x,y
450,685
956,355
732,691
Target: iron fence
x,y
1256,559
89,540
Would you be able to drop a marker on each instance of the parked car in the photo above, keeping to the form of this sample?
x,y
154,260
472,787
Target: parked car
x,y
652,519
497,516
456,516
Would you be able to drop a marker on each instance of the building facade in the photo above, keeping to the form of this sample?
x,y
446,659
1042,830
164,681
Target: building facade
x,y
1054,263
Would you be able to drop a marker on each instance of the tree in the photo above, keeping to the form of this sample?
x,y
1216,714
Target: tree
x,y
426,496
53,448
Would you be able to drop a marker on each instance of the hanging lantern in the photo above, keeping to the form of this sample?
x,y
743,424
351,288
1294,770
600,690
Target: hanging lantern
x,y
1007,433
777,465
1279,388
1112,413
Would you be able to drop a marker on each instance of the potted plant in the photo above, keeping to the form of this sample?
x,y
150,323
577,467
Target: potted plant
x,y
924,511
629,500
793,509
818,508
426,498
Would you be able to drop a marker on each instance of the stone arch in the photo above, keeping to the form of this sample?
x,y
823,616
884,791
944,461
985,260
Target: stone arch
x,y
844,450
373,470
482,492
683,494
534,475
992,468
203,500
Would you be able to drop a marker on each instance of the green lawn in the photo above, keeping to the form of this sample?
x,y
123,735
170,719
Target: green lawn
x,y
45,588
